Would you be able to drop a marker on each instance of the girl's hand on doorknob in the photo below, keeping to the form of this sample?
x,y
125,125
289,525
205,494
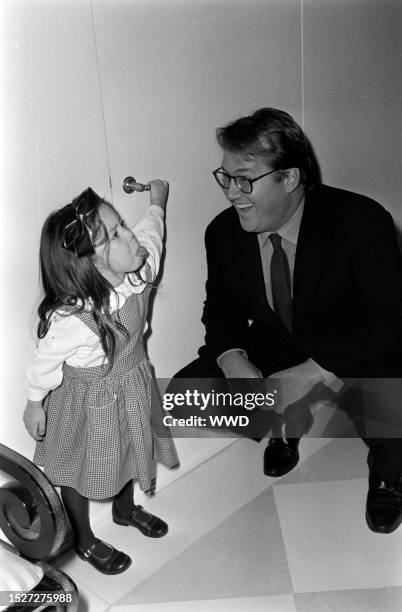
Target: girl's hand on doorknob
x,y
159,192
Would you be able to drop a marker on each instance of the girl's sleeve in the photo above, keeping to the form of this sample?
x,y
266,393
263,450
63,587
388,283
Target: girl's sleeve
x,y
149,232
45,372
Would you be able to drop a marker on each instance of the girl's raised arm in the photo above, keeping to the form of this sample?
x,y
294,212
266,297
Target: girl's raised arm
x,y
150,229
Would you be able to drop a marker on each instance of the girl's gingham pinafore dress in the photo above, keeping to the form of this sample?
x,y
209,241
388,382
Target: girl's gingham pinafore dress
x,y
105,428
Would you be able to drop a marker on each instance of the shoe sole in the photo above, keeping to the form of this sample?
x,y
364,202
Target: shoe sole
x,y
384,530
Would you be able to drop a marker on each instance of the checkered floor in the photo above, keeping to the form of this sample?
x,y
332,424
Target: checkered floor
x,y
241,541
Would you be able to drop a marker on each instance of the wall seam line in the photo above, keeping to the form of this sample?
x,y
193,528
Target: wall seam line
x,y
102,103
302,55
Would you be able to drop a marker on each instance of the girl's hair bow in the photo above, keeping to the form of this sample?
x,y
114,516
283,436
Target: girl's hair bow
x,y
77,236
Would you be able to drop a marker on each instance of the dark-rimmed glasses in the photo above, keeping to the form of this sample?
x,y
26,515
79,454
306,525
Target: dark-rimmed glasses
x,y
77,236
243,184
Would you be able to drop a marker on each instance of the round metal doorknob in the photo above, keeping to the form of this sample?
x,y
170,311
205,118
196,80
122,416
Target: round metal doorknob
x,y
130,185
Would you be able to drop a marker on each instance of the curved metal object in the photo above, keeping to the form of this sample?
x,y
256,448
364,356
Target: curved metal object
x,y
130,185
56,581
32,516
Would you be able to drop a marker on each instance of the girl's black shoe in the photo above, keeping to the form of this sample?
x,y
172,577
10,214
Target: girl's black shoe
x,y
147,523
113,562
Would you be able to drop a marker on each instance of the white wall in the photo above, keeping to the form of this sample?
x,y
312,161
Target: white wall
x,y
52,147
171,73
331,63
352,52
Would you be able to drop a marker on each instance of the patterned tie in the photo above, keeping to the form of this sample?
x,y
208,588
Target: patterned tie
x,y
280,282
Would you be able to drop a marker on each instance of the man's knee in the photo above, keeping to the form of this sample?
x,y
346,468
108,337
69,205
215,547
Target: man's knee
x,y
200,368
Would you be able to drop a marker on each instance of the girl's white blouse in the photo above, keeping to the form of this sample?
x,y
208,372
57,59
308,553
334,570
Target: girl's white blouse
x,y
70,340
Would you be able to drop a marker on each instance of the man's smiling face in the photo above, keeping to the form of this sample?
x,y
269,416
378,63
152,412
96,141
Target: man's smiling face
x,y
269,205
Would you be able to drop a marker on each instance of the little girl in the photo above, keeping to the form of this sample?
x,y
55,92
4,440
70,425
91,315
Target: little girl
x,y
92,405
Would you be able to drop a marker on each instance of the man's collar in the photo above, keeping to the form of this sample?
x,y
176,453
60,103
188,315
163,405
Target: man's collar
x,y
290,230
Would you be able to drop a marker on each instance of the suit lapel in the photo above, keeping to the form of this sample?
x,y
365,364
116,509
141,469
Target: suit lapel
x,y
313,246
317,232
249,263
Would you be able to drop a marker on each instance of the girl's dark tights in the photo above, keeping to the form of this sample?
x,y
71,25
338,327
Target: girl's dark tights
x,y
124,500
77,508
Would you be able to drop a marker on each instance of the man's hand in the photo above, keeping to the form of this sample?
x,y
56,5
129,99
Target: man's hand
x,y
35,419
236,365
295,383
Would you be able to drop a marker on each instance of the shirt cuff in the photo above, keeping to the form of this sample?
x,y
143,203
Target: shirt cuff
x,y
236,350
330,379
158,210
36,395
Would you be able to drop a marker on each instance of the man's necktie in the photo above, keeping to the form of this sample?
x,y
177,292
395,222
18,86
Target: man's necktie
x,y
280,282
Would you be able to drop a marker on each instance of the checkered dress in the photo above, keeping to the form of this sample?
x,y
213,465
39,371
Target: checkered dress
x,y
105,428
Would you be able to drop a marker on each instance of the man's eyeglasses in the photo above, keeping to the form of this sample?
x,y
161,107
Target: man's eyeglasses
x,y
244,184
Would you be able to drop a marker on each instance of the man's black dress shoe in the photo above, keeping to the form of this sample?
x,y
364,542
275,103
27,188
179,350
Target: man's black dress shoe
x,y
110,562
384,505
281,456
147,523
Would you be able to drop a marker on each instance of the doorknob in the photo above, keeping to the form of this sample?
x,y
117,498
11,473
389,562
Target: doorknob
x,y
130,185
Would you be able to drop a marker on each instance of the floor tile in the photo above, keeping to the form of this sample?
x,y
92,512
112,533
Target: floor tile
x,y
330,421
232,478
366,600
192,453
179,504
243,556
241,541
89,601
278,603
328,544
340,459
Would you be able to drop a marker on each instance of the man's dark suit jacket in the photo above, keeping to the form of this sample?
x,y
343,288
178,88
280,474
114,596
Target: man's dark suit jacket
x,y
347,290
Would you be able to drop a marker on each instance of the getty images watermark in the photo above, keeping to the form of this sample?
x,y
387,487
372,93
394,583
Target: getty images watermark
x,y
258,407
208,401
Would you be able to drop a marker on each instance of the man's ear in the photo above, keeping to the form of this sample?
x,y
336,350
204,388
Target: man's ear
x,y
292,179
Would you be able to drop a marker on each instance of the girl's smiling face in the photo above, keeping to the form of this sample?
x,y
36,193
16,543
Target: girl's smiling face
x,y
121,252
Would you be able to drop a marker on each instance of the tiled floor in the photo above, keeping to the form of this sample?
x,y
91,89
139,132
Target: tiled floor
x,y
241,541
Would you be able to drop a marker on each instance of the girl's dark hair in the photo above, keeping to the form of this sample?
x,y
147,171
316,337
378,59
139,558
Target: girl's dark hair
x,y
274,135
69,282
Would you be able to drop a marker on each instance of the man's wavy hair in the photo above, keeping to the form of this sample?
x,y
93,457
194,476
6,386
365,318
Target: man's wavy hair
x,y
69,282
275,136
